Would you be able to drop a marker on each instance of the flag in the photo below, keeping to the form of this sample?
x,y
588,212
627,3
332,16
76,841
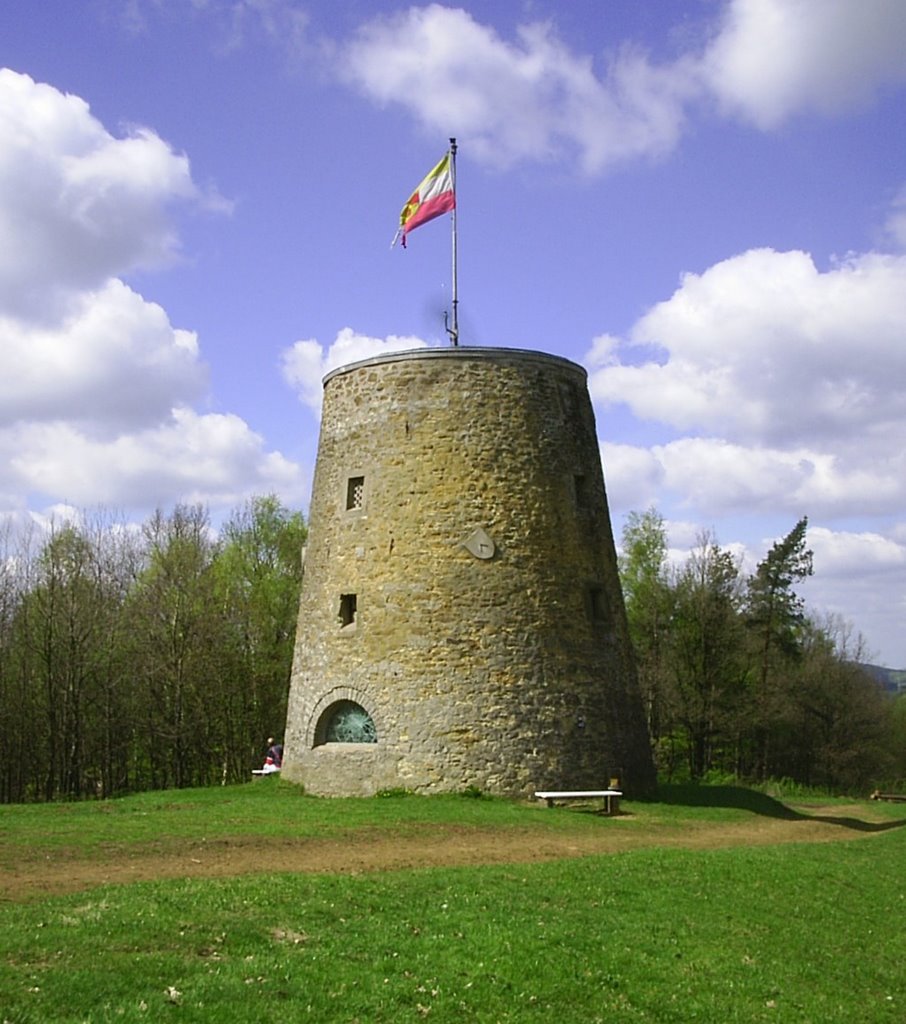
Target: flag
x,y
434,196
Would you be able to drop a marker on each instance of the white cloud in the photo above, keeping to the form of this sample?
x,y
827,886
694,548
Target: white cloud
x,y
635,476
843,554
76,204
713,474
779,390
772,351
306,362
97,383
114,360
717,477
859,577
722,477
530,98
211,458
775,58
781,384
281,21
528,95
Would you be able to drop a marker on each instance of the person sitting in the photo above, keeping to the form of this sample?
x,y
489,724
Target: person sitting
x,y
273,760
274,753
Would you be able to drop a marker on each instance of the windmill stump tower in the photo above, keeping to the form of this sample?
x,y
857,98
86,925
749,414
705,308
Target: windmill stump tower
x,y
461,620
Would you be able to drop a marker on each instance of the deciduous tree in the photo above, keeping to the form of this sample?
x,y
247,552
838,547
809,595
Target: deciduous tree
x,y
644,574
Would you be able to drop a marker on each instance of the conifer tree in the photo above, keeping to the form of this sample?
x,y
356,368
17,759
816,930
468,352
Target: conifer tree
x,y
776,618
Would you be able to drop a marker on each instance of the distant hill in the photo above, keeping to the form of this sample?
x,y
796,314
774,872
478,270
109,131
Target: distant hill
x,y
893,680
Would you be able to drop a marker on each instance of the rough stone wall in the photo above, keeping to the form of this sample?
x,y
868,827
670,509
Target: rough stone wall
x,y
510,672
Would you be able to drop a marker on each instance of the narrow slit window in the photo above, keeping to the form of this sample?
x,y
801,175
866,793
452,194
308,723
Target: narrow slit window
x,y
347,609
355,492
580,487
596,602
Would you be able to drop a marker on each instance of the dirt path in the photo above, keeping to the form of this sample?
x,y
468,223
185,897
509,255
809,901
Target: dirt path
x,y
428,846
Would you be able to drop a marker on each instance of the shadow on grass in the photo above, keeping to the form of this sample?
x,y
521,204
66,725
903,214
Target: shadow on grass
x,y
743,799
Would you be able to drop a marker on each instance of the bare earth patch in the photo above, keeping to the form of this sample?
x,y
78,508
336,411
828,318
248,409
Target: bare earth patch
x,y
425,847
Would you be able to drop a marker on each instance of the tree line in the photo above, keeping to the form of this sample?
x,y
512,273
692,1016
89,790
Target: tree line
x,y
158,655
738,680
145,657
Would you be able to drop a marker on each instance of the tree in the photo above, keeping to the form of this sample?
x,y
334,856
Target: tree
x,y
135,658
145,658
62,638
707,652
177,645
897,741
842,726
120,561
647,593
776,619
258,578
18,709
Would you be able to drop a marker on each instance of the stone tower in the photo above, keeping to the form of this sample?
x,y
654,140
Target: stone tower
x,y
461,620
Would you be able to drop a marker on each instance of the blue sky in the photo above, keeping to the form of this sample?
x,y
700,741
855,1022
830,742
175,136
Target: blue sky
x,y
702,202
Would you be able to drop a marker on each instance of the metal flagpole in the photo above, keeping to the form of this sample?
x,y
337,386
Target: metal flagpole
x,y
453,330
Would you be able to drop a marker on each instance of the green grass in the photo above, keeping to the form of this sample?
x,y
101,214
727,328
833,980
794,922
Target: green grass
x,y
267,810
277,810
795,933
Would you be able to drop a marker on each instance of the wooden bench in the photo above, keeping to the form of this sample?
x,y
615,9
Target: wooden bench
x,y
611,797
897,798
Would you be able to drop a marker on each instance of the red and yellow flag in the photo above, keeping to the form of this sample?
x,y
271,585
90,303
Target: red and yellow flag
x,y
434,196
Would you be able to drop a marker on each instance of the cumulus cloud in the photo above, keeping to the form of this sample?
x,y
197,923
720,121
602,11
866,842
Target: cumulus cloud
x,y
845,553
779,383
96,393
305,363
532,97
714,475
773,389
78,204
861,570
114,360
635,475
771,350
772,59
209,458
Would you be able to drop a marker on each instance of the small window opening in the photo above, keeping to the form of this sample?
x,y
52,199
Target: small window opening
x,y
596,601
347,609
355,492
580,486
